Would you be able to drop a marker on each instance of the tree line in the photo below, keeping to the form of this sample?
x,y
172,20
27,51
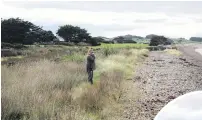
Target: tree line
x,y
19,31
197,39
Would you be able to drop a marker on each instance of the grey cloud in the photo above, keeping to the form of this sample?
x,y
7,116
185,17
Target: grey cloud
x,y
198,20
112,27
149,21
198,34
176,23
107,30
172,9
97,30
112,6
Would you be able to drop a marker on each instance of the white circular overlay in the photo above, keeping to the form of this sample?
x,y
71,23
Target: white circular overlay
x,y
185,107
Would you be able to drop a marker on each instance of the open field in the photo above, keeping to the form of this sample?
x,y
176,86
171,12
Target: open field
x,y
50,82
56,52
136,46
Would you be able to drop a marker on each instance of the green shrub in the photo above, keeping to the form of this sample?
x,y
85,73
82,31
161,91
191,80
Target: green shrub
x,y
74,57
82,44
64,43
159,40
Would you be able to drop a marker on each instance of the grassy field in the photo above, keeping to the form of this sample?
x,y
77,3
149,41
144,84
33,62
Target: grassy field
x,y
136,46
50,82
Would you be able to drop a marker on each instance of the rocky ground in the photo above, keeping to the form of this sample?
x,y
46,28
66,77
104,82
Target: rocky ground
x,y
160,79
189,51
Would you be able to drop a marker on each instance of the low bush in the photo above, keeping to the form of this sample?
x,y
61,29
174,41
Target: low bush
x,y
159,40
74,57
64,43
14,46
83,44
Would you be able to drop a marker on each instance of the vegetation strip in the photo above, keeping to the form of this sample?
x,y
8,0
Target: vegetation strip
x,y
46,89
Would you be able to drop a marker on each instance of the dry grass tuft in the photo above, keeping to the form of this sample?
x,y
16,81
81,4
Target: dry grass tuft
x,y
93,97
173,52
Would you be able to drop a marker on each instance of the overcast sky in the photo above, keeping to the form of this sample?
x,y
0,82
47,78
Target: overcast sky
x,y
172,19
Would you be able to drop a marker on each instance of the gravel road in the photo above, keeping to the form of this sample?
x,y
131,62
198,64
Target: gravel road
x,y
161,78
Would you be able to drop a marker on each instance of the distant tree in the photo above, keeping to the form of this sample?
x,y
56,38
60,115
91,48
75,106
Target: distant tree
x,y
39,36
119,39
151,36
98,39
129,41
93,41
16,30
101,39
73,33
197,39
159,40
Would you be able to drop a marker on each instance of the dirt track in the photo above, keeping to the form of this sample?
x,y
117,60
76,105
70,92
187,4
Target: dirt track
x,y
161,78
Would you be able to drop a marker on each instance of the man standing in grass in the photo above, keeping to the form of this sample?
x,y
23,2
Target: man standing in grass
x,y
90,65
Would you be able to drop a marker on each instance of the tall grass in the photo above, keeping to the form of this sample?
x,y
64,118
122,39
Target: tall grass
x,y
112,71
39,89
59,90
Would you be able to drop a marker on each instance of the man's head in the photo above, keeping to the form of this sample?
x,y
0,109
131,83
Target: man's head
x,y
90,51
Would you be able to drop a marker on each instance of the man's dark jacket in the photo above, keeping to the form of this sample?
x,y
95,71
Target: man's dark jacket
x,y
90,62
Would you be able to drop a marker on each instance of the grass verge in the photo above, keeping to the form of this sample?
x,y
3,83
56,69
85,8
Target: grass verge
x,y
58,90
